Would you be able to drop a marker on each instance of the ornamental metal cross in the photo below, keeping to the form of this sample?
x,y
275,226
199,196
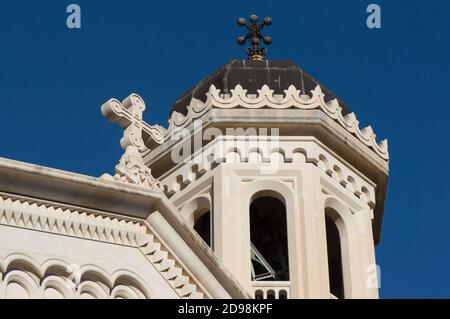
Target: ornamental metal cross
x,y
255,36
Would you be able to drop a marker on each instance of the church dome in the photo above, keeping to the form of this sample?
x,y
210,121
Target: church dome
x,y
252,75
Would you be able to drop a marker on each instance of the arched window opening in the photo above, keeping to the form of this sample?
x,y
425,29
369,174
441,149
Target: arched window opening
x,y
197,214
203,227
269,245
334,258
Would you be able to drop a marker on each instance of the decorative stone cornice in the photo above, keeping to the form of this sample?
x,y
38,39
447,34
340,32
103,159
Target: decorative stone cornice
x,y
292,99
232,149
58,219
50,218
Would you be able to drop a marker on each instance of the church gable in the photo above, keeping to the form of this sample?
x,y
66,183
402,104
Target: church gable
x,y
82,238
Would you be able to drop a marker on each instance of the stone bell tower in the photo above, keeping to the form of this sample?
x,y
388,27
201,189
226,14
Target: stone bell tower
x,y
275,175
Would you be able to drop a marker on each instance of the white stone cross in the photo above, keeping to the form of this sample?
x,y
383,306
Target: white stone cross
x,y
129,115
137,138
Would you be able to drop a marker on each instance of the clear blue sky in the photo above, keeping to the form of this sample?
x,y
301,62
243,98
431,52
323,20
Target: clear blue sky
x,y
53,81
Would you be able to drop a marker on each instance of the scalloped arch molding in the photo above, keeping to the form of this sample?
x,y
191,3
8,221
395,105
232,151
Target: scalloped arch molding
x,y
266,98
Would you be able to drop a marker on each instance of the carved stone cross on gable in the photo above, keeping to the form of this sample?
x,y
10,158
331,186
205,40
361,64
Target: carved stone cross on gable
x,y
129,115
138,137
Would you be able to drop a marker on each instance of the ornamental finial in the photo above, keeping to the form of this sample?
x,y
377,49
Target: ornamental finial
x,y
255,36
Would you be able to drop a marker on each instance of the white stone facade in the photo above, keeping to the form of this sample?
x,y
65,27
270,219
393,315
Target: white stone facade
x,y
131,235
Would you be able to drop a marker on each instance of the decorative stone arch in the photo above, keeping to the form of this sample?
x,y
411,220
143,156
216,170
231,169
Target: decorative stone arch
x,y
340,215
134,282
94,281
299,155
24,263
124,292
192,210
92,290
24,271
234,155
53,285
21,273
94,272
56,267
18,284
22,276
198,214
268,187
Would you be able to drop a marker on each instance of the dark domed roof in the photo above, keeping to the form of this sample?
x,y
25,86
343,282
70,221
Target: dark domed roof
x,y
252,75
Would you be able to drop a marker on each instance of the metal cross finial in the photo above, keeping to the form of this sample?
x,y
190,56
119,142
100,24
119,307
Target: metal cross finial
x,y
255,36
